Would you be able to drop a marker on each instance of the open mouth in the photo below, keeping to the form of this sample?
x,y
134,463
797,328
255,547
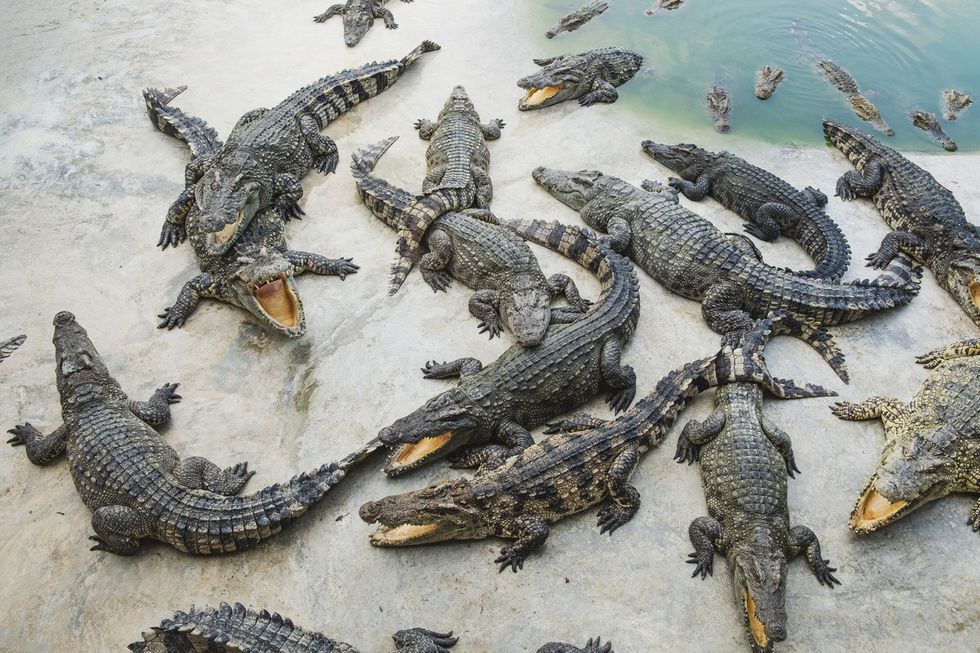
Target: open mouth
x,y
219,238
756,627
537,96
974,287
276,299
401,535
873,511
406,456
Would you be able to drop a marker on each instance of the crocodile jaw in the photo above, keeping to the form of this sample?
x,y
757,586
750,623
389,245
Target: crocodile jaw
x,y
756,628
874,510
403,535
536,97
275,301
408,456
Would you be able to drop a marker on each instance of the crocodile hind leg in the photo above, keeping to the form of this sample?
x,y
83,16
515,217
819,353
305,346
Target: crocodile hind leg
x,y
722,308
621,378
781,440
197,473
853,184
696,434
200,286
325,153
704,533
318,264
895,242
770,220
575,423
433,178
461,367
332,10
174,230
562,284
156,410
871,408
530,531
625,499
118,529
484,187
433,264
41,449
602,91
802,540
484,306
694,191
288,192
515,439
956,350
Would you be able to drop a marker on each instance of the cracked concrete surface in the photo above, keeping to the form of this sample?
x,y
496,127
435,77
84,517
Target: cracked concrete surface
x,y
86,182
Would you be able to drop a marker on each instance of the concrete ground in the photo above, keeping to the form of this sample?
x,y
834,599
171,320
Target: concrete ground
x,y
86,182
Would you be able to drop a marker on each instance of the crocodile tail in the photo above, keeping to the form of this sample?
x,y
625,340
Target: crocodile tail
x,y
386,201
579,245
200,138
7,347
901,274
813,334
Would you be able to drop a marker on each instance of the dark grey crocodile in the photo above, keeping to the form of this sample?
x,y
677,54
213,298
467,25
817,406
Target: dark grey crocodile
x,y
511,290
770,205
359,17
589,77
954,103
719,103
7,347
586,462
847,85
929,224
576,19
928,123
766,81
745,459
136,485
527,386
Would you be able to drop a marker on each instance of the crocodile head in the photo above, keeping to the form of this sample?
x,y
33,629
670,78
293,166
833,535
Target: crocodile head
x,y
526,310
81,374
447,511
962,279
459,101
264,286
442,425
227,202
356,25
596,196
760,587
573,189
569,77
686,160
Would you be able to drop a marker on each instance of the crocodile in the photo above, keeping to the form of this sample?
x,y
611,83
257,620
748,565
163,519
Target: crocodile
x,y
268,152
766,81
458,159
664,5
511,290
846,84
576,19
585,462
527,386
929,224
932,444
770,205
745,459
691,257
589,77
136,485
954,103
719,103
359,17
928,123
7,347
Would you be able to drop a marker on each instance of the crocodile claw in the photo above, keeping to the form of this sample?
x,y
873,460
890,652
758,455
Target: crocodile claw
x,y
100,544
825,574
20,434
510,557
705,567
327,163
878,260
171,235
611,517
438,280
169,393
289,209
491,326
171,319
844,190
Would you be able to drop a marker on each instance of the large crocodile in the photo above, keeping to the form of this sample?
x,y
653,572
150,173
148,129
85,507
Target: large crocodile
x,y
575,19
268,152
771,206
589,77
745,460
691,257
7,347
766,80
237,629
932,444
862,106
511,290
954,103
458,159
136,484
928,123
527,386
586,462
359,17
719,103
929,224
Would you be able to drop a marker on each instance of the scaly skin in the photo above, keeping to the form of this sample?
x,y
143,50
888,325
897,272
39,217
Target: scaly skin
x,y
745,460
7,347
359,17
589,77
766,81
587,462
511,290
720,108
928,123
526,387
266,154
691,257
932,445
929,224
770,205
954,103
862,106
576,19
136,485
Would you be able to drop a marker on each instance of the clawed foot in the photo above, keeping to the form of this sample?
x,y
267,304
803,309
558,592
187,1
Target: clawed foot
x,y
932,359
171,235
705,565
434,370
687,451
438,280
327,163
757,231
169,393
612,516
825,574
343,267
21,433
621,399
289,208
492,326
974,520
100,544
844,190
878,260
171,319
511,557
240,473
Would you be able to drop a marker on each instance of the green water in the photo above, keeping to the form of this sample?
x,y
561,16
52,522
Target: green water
x,y
903,53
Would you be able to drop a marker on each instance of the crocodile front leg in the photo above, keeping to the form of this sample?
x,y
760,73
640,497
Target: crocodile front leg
x,y
433,263
696,434
156,410
484,187
387,16
695,191
704,533
174,230
514,438
619,234
956,350
41,449
317,264
853,184
781,440
624,498
484,306
332,10
531,532
871,408
426,128
491,130
602,91
203,285
461,367
325,153
575,423
895,242
562,284
197,473
802,540
621,378
118,529
288,192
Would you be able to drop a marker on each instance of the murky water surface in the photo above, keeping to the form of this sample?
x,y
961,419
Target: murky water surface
x,y
902,53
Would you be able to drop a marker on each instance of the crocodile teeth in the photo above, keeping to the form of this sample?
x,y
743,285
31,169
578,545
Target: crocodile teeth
x,y
756,627
873,509
409,454
402,534
276,300
223,236
975,292
539,95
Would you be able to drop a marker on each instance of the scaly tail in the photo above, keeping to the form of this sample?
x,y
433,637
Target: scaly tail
x,y
387,202
575,243
902,274
813,334
7,347
200,138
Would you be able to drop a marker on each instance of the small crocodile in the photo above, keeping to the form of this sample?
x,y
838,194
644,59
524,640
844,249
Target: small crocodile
x,y
929,224
576,19
589,77
745,460
586,462
136,485
511,290
766,81
719,103
359,17
954,103
771,206
7,347
928,123
862,106
527,386
932,445
267,153
664,5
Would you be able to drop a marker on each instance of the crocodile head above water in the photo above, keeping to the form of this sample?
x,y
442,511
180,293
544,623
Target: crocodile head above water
x,y
962,279
227,202
81,374
526,310
448,511
687,160
760,586
264,286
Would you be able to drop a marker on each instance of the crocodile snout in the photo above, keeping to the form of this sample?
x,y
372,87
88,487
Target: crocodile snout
x,y
64,317
370,511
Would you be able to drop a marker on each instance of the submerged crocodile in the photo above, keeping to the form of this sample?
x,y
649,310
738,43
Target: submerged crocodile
x,y
576,19
932,445
720,108
136,484
7,347
691,257
862,106
954,103
359,17
929,224
589,77
268,152
527,386
237,629
664,5
771,206
458,160
766,81
745,460
511,290
586,462
928,123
